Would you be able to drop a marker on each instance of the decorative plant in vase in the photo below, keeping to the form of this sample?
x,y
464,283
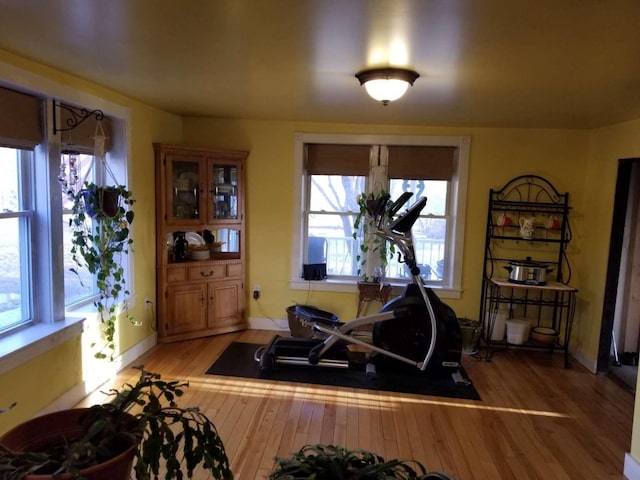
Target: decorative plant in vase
x,y
99,246
141,426
370,204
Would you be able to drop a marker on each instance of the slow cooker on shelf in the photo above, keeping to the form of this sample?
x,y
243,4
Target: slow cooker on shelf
x,y
528,272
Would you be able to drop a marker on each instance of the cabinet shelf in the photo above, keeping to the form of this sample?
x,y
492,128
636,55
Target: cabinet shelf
x,y
551,305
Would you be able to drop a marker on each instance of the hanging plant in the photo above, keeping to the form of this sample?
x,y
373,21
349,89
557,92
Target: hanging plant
x,y
365,222
99,246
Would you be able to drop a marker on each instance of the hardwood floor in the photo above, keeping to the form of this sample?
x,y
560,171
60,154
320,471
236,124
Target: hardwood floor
x,y
536,420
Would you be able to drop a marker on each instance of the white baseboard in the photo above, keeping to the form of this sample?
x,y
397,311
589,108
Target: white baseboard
x,y
277,324
631,467
586,361
109,369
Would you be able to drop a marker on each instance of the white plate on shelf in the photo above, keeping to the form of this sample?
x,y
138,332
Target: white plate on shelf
x,y
194,239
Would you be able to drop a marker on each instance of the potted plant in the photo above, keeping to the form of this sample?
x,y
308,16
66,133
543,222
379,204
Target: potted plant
x,y
99,246
142,425
330,462
365,221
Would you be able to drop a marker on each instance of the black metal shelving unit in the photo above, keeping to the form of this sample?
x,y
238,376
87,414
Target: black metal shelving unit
x,y
551,305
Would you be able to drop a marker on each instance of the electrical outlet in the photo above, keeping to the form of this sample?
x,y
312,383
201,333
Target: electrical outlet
x,y
256,292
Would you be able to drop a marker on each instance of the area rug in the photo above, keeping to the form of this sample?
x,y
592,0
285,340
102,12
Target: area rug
x,y
237,361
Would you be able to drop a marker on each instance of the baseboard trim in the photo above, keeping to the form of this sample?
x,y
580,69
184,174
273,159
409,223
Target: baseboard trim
x,y
631,467
71,397
586,361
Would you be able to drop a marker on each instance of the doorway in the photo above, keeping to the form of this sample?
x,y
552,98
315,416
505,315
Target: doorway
x,y
620,328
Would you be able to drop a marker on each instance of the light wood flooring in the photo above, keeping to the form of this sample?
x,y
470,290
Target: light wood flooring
x,y
536,420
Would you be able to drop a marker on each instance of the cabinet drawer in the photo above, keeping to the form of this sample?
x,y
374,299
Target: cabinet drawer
x,y
234,270
207,272
176,275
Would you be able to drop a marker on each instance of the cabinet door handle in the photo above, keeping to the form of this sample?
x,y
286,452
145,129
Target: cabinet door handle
x,y
203,274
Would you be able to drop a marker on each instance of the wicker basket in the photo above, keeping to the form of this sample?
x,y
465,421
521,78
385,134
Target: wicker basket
x,y
295,326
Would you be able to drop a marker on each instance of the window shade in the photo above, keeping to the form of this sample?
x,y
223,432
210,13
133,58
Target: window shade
x,y
327,159
421,162
82,135
20,119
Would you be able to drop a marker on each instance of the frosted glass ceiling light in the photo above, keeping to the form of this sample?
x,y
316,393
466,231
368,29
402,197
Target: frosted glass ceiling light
x,y
386,84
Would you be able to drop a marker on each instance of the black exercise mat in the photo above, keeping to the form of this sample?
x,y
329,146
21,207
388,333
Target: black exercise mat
x,y
237,361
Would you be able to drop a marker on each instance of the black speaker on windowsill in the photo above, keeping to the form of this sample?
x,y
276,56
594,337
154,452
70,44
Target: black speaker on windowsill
x,y
314,271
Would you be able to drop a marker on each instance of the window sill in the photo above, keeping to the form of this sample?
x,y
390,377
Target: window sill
x,y
26,344
350,286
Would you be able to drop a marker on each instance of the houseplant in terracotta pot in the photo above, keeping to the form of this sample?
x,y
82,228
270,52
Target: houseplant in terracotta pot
x,y
99,246
142,426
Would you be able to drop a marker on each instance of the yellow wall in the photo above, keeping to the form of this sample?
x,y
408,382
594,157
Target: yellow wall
x,y
497,155
37,383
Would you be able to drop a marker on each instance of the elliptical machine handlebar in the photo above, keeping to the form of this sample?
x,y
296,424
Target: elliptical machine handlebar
x,y
398,231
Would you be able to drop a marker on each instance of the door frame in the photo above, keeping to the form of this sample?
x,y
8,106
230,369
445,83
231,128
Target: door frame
x,y
621,199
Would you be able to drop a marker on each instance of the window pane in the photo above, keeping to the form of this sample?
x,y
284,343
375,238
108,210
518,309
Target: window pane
x,y
330,236
14,272
429,233
77,287
434,190
335,193
15,241
330,222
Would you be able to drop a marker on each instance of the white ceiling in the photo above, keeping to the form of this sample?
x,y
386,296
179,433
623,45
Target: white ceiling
x,y
513,63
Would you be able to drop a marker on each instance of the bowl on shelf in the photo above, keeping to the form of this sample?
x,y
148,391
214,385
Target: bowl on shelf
x,y
199,252
544,335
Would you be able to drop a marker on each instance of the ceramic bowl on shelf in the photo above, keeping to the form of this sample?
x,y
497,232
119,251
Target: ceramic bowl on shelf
x,y
544,335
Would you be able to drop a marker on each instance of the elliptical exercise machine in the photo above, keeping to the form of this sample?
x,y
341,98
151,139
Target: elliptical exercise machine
x,y
414,330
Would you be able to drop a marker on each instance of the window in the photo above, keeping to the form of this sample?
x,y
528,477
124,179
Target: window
x,y
16,190
20,132
79,143
34,214
335,169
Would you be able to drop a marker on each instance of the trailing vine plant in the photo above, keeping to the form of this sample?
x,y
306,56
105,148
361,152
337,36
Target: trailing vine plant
x,y
99,246
370,242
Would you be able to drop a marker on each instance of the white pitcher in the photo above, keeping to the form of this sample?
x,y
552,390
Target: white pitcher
x,y
526,227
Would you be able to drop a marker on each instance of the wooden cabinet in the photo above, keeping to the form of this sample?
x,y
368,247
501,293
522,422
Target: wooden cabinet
x,y
200,193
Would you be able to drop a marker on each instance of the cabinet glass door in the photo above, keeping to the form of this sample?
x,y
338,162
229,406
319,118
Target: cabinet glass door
x,y
224,191
184,190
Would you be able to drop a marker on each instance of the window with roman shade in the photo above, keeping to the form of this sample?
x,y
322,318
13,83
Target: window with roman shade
x,y
335,173
20,133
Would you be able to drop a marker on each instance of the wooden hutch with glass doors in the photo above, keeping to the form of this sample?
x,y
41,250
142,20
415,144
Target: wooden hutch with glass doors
x,y
200,241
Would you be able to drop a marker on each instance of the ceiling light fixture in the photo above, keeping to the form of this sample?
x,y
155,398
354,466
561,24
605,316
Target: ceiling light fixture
x,y
386,84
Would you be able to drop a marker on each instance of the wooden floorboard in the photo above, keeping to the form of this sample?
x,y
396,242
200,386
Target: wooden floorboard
x,y
536,419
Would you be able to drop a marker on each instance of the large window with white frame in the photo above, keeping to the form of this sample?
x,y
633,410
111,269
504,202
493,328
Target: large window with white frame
x,y
34,212
334,169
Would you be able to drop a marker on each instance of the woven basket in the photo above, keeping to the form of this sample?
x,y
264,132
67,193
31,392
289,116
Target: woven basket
x,y
295,326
